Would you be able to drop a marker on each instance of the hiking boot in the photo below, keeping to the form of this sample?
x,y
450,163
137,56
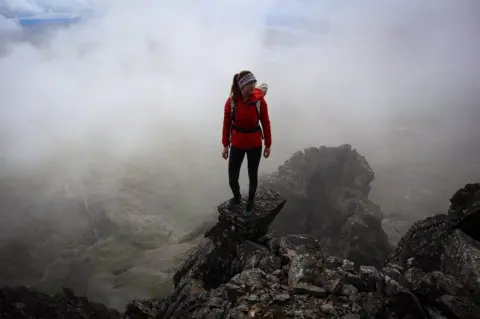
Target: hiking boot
x,y
248,211
233,202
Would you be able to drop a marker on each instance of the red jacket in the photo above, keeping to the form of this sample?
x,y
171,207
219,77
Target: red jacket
x,y
246,117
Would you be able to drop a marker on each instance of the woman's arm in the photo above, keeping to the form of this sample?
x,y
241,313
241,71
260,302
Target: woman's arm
x,y
227,121
265,119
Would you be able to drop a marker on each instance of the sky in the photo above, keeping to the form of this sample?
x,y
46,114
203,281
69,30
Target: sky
x,y
142,82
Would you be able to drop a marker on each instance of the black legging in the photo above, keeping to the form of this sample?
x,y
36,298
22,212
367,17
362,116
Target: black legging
x,y
235,163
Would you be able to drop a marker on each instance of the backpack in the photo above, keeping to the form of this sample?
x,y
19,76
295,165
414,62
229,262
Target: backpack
x,y
264,88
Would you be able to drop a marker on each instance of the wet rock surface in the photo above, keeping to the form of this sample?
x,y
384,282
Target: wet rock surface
x,y
327,191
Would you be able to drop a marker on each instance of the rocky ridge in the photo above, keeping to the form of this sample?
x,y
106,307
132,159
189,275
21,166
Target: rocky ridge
x,y
243,271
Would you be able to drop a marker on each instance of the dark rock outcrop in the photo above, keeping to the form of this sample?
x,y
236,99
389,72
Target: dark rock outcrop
x,y
257,275
443,252
241,270
23,302
327,192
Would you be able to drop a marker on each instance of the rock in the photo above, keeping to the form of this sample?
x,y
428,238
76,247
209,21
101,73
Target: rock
x,y
348,265
293,245
372,278
457,307
210,260
327,191
331,279
461,259
311,284
391,286
233,227
424,242
328,309
281,297
253,255
141,309
233,274
304,288
24,302
435,313
441,257
405,303
301,281
435,284
303,268
393,270
350,291
464,211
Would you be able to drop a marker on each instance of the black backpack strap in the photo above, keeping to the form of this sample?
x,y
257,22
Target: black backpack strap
x,y
258,106
232,115
232,109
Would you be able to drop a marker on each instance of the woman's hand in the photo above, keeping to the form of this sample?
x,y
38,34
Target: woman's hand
x,y
225,153
266,152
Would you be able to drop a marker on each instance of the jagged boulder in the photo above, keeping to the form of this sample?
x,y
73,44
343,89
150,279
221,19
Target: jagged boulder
x,y
327,192
443,251
254,274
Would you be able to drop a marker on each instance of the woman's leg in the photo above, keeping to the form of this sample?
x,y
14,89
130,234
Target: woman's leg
x,y
253,157
234,165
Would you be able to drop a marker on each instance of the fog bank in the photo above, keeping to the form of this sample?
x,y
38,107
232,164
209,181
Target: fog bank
x,y
125,108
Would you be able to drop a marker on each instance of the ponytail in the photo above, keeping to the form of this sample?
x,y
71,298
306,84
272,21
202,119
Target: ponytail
x,y
235,90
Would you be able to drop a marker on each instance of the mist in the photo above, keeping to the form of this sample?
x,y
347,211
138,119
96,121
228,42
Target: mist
x,y
125,108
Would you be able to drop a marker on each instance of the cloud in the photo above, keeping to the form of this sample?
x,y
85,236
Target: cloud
x,y
7,25
148,79
35,7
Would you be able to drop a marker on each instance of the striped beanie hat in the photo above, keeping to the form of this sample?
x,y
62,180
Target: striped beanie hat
x,y
247,79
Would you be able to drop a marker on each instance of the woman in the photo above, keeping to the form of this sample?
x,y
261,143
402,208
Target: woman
x,y
243,134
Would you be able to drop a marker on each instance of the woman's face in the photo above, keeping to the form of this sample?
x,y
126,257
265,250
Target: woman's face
x,y
248,89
